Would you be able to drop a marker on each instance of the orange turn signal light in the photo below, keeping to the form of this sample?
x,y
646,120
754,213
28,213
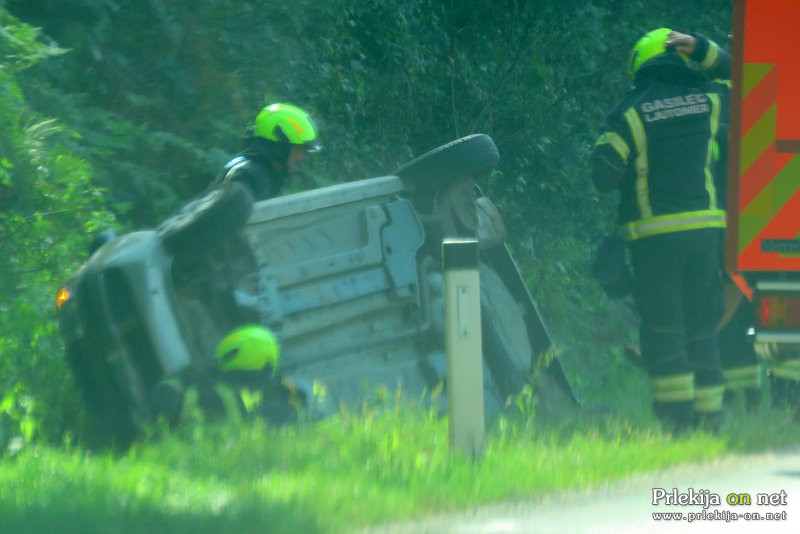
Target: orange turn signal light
x,y
62,297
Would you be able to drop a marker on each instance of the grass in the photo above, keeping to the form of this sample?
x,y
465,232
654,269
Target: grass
x,y
386,461
357,468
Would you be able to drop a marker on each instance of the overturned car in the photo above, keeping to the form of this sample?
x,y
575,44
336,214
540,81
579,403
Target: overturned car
x,y
348,276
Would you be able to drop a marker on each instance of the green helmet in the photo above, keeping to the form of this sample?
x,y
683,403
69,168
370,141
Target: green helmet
x,y
285,123
248,348
652,44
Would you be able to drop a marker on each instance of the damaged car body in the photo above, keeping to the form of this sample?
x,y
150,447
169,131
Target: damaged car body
x,y
348,276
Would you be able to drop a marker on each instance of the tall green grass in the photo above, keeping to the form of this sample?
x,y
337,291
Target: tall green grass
x,y
356,468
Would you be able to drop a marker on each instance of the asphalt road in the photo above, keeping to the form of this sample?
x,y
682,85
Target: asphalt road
x,y
628,506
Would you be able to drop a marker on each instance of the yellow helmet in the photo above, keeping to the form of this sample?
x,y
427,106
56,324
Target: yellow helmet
x,y
286,123
650,45
248,348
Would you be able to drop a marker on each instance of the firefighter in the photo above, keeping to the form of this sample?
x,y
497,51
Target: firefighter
x,y
740,365
658,151
785,383
245,382
278,141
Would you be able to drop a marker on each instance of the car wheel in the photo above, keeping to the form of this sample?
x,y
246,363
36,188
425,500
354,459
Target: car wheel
x,y
208,219
466,157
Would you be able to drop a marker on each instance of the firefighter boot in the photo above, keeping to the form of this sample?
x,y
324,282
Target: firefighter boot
x,y
709,421
785,392
752,399
750,396
675,417
708,405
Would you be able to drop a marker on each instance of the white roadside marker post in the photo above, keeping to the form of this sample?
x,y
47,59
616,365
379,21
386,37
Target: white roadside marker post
x,y
462,321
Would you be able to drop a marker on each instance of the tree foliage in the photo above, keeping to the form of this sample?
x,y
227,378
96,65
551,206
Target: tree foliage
x,y
48,205
117,110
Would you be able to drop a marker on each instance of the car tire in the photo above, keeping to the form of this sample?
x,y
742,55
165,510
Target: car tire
x,y
208,219
467,157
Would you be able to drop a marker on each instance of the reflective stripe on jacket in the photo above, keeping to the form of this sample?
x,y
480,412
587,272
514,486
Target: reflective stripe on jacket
x,y
664,138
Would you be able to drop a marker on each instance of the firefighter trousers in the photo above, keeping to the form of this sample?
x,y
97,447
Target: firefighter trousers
x,y
678,295
740,364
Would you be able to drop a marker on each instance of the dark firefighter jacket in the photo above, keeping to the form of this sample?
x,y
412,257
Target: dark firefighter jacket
x,y
253,167
661,146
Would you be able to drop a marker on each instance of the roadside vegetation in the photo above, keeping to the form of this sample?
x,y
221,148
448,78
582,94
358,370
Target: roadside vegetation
x,y
112,112
382,462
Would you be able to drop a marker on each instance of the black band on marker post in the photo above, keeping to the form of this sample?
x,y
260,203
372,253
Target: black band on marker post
x,y
459,254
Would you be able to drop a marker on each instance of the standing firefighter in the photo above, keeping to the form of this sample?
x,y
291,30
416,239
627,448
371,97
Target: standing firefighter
x,y
280,138
659,150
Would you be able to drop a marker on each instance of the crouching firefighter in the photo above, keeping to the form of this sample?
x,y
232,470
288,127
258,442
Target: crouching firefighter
x,y
245,383
658,151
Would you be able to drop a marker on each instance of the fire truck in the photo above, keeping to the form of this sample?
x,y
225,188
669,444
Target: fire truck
x,y
763,240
